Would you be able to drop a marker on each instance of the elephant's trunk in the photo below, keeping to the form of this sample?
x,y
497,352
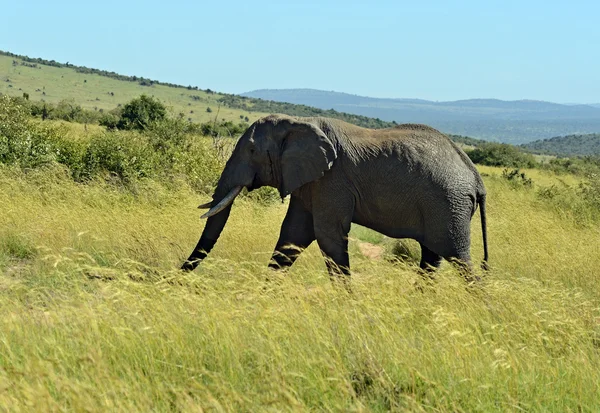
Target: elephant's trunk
x,y
217,218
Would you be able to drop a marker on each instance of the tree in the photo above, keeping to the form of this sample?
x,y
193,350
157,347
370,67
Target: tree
x,y
141,112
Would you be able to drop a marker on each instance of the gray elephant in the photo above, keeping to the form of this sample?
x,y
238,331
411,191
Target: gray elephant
x,y
410,181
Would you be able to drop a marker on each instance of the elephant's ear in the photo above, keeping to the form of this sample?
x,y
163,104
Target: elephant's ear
x,y
306,154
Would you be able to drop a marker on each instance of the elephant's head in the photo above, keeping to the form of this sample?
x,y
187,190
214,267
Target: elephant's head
x,y
277,151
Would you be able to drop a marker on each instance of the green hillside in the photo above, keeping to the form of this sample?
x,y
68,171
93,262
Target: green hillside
x,y
96,89
570,145
95,92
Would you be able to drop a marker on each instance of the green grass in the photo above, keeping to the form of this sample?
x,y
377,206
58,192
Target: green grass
x,y
96,317
93,91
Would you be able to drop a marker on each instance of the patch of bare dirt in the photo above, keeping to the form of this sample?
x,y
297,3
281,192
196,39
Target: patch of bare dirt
x,y
374,252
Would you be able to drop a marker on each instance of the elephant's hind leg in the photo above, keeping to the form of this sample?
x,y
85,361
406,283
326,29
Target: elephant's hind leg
x,y
297,233
455,244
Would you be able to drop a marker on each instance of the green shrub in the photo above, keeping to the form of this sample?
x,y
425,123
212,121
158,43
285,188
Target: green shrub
x,y
581,202
70,153
584,166
199,162
110,120
22,141
140,113
127,156
500,154
169,134
590,192
516,177
168,150
226,129
66,110
265,195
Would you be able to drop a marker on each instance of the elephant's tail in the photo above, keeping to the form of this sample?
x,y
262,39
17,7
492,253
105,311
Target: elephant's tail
x,y
481,202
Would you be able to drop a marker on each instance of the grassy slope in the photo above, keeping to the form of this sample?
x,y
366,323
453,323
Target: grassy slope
x,y
567,145
96,318
93,91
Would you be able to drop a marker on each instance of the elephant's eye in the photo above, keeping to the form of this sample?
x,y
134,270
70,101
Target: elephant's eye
x,y
252,151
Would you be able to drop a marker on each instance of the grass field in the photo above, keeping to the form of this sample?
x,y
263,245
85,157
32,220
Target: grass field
x,y
96,316
91,91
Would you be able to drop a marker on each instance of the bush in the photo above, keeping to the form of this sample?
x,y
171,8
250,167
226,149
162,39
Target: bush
x,y
265,195
66,110
500,154
224,128
110,120
584,166
169,150
127,156
200,164
22,141
590,192
141,113
517,177
70,153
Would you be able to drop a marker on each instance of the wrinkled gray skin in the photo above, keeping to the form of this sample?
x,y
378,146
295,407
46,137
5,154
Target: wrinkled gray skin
x,y
409,181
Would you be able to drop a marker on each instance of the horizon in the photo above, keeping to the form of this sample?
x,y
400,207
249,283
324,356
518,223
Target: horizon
x,y
331,91
436,52
429,100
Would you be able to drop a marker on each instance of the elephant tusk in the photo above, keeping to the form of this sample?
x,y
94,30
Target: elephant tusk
x,y
224,203
206,206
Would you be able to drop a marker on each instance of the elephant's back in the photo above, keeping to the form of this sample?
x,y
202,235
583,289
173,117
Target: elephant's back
x,y
414,169
432,154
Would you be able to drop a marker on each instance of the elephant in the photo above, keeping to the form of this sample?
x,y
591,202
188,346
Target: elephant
x,y
408,181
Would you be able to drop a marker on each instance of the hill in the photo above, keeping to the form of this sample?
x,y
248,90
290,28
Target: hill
x,y
491,119
579,145
101,90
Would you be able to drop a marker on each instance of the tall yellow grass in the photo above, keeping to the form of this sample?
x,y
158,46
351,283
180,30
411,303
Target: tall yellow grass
x,y
95,316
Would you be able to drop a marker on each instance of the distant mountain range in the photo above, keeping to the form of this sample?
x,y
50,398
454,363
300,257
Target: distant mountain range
x,y
514,122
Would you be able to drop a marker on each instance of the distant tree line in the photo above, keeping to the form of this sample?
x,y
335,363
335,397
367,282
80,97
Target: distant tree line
x,y
269,106
510,156
467,140
82,69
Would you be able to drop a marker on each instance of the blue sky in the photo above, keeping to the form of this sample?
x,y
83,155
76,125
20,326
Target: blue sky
x,y
438,50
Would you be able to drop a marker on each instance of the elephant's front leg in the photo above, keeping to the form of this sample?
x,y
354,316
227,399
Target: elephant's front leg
x,y
335,251
297,233
332,226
